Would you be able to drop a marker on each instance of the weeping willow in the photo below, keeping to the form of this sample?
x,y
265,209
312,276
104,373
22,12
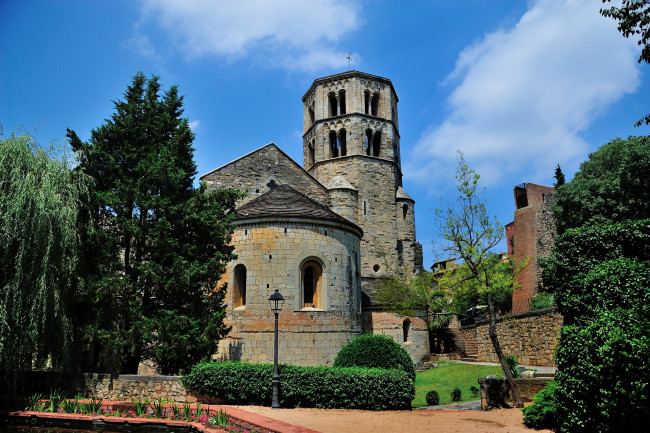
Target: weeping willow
x,y
39,205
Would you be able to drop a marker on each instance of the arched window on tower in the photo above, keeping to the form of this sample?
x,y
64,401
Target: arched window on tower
x,y
312,152
368,143
376,144
334,148
331,103
342,101
375,104
367,103
406,328
405,210
311,274
312,115
343,142
239,292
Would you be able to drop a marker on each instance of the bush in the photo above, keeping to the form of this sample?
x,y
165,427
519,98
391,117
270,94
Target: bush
x,y
321,387
512,362
433,399
456,394
542,414
474,390
375,351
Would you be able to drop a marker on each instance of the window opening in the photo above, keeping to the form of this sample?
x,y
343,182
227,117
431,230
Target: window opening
x,y
271,184
368,141
376,268
375,104
405,210
311,281
406,327
334,150
343,143
331,98
342,101
312,152
376,144
312,115
366,102
240,286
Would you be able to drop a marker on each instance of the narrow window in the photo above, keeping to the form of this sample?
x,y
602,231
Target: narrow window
x,y
312,152
368,142
405,210
239,292
312,115
343,142
311,281
334,149
367,103
364,207
406,327
376,144
331,98
375,104
342,101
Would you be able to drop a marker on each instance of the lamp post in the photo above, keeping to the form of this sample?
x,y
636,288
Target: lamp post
x,y
276,301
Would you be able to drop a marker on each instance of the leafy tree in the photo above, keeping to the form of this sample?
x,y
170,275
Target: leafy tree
x,y
471,235
611,186
155,245
39,205
633,18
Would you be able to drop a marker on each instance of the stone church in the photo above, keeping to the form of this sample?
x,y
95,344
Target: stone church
x,y
322,233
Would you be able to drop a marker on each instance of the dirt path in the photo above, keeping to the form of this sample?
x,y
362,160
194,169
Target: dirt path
x,y
362,421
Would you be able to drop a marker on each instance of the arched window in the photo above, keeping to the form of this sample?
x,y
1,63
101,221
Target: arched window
x,y
367,103
368,142
334,148
405,210
376,144
406,327
342,101
343,142
312,152
311,274
312,115
375,104
239,292
331,102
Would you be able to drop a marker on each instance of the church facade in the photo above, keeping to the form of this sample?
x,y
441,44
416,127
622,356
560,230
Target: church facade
x,y
324,232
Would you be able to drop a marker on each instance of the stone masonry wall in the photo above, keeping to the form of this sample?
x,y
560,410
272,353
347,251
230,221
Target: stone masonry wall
x,y
254,172
530,337
417,342
273,253
128,387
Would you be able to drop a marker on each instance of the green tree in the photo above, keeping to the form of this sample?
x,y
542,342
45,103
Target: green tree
x,y
39,207
559,177
155,245
471,234
633,18
611,186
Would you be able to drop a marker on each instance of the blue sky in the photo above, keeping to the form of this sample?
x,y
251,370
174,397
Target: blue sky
x,y
518,86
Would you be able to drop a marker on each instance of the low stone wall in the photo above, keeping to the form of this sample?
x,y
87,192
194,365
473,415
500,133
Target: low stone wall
x,y
127,387
496,393
530,337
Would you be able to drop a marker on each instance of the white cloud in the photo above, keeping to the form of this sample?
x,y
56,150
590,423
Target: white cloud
x,y
288,34
194,124
524,95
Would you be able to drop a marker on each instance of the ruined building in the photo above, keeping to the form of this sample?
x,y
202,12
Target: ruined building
x,y
529,237
323,232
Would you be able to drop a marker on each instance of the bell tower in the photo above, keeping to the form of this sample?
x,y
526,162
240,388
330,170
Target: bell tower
x,y
351,144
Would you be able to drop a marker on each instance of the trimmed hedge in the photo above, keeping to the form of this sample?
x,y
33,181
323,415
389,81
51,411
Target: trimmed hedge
x,y
375,351
320,387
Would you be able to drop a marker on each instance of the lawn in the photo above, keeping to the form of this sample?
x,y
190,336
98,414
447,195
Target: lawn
x,y
446,377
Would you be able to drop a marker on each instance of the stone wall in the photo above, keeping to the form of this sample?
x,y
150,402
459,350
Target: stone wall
x,y
274,254
254,172
393,325
129,387
530,337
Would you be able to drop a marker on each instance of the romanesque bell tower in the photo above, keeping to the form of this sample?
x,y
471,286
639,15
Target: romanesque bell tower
x,y
351,144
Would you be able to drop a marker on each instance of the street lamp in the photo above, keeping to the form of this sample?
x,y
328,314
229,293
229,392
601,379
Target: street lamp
x,y
276,301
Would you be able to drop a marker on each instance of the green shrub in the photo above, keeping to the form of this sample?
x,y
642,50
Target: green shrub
x,y
321,387
512,362
433,399
456,394
375,351
542,413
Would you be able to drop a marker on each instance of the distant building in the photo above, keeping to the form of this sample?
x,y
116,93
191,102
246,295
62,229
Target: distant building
x,y
529,237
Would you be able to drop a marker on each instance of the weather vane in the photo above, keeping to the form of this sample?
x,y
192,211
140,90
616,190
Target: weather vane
x,y
349,57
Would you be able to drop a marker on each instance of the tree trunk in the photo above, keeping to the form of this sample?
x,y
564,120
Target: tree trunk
x,y
497,348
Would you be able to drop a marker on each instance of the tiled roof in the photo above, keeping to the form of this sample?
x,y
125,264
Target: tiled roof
x,y
284,201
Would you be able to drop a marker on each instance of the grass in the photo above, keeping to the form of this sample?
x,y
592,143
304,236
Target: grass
x,y
446,377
